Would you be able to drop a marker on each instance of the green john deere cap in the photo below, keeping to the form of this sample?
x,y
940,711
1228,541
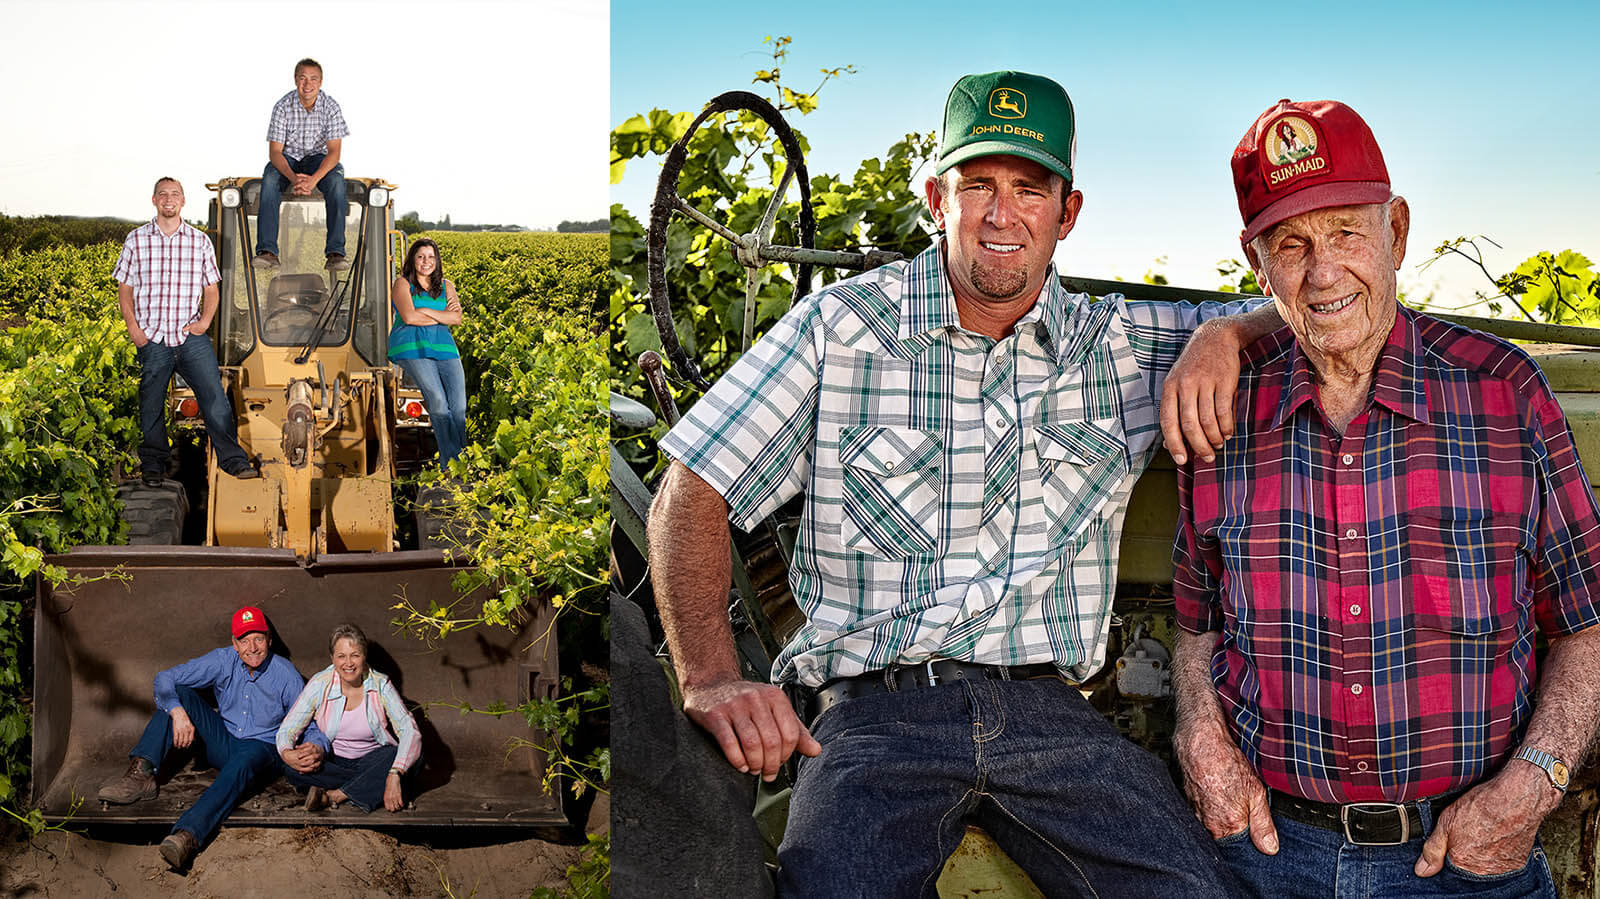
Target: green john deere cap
x,y
1010,113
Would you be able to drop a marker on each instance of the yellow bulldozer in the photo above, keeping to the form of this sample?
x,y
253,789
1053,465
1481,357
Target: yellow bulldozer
x,y
315,541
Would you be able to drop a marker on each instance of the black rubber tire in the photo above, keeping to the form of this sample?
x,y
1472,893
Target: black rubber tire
x,y
155,515
438,526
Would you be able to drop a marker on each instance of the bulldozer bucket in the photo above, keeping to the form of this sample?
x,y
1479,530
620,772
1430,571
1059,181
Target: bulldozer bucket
x,y
98,647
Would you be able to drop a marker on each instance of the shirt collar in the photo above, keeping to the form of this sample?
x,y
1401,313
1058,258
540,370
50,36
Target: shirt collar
x,y
1397,385
928,302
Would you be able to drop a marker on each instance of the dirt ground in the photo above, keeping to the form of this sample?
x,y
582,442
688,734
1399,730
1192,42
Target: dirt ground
x,y
249,862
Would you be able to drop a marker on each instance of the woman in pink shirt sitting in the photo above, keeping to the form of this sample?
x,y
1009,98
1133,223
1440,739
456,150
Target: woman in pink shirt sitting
x,y
354,707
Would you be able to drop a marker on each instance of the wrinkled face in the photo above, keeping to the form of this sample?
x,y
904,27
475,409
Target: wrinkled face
x,y
349,660
1332,273
426,260
168,199
1002,217
307,81
252,649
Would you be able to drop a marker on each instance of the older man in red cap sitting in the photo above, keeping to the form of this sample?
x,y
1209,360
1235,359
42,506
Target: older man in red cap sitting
x,y
1364,567
253,688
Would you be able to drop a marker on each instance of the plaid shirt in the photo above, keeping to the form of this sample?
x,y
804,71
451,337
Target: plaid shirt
x,y
964,496
167,275
306,132
1378,592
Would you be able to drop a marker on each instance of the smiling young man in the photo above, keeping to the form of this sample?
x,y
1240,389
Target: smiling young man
x,y
966,433
253,689
304,141
1363,569
167,290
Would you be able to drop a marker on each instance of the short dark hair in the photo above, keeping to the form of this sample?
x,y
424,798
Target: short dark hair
x,y
348,631
306,63
164,178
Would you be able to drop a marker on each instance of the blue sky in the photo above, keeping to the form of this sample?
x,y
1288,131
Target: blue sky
x,y
1488,114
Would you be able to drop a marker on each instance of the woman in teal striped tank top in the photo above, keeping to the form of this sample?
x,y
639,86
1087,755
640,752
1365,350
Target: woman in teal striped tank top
x,y
425,306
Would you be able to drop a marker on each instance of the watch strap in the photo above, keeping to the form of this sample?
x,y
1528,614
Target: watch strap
x,y
1554,767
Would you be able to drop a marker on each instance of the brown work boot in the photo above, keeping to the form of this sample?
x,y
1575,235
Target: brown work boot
x,y
337,263
179,848
316,799
265,260
137,785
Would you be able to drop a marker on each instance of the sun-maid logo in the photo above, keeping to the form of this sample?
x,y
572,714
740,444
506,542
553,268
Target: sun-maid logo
x,y
1290,150
1008,103
248,616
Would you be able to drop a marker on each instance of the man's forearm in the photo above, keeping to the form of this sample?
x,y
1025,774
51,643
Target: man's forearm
x,y
125,303
1191,681
1248,327
1568,709
691,567
328,161
278,160
209,300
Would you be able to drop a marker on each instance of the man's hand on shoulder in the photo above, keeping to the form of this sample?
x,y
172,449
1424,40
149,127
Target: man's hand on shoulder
x,y
753,723
182,727
1197,395
1491,828
1226,792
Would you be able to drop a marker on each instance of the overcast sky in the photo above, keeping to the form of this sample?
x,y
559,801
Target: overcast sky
x,y
1488,113
492,112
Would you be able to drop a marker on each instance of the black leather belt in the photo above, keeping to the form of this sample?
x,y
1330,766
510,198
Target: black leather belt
x,y
909,677
1362,823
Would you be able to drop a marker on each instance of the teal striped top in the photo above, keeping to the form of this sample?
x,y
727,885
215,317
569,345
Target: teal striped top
x,y
422,341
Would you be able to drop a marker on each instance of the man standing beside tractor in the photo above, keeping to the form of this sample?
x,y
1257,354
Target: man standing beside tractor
x,y
1364,567
966,433
167,288
254,688
304,138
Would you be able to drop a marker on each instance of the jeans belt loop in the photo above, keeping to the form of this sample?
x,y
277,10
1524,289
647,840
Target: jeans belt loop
x,y
1376,808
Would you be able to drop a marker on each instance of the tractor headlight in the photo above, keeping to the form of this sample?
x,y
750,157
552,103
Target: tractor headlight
x,y
230,197
378,197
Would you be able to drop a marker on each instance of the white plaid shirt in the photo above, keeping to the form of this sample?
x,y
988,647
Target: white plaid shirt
x,y
167,275
964,496
306,132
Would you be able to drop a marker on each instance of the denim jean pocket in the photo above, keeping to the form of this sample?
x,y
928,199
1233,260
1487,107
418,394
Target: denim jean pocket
x,y
1528,869
1232,839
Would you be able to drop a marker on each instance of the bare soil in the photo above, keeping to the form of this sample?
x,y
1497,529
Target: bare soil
x,y
250,862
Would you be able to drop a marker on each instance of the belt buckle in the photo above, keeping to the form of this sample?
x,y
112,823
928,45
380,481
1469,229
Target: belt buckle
x,y
1367,808
933,677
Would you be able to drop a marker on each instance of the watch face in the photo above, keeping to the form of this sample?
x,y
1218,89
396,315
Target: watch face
x,y
1559,774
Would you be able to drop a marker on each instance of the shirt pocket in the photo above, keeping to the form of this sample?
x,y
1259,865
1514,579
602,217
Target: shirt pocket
x,y
892,490
1081,461
1460,567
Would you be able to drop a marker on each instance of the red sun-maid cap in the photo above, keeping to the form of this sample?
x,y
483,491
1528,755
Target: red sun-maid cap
x,y
248,619
1303,156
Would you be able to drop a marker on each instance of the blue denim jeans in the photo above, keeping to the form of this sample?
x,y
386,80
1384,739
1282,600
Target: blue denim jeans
x,y
196,360
443,383
1312,862
273,184
361,779
239,763
1081,810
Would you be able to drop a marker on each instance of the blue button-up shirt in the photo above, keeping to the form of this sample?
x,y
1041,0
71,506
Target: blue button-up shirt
x,y
252,704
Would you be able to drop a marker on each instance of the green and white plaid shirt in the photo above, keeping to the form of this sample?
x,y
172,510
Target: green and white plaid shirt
x,y
964,496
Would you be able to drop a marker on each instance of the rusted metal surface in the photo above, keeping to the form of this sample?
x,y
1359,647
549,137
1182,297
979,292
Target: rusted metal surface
x,y
98,647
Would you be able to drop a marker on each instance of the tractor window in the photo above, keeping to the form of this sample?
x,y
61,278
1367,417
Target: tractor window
x,y
294,304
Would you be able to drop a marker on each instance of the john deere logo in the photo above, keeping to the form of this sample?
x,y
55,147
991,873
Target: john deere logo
x,y
1008,103
1290,150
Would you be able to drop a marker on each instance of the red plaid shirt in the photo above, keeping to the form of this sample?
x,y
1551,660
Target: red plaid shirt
x,y
167,275
1379,592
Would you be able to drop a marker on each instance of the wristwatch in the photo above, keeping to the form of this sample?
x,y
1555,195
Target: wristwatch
x,y
1556,768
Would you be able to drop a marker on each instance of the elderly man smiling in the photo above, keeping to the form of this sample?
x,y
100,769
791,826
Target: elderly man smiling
x,y
1364,567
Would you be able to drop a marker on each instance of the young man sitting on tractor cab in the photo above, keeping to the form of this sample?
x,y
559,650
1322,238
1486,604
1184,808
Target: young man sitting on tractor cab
x,y
167,287
253,688
304,138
